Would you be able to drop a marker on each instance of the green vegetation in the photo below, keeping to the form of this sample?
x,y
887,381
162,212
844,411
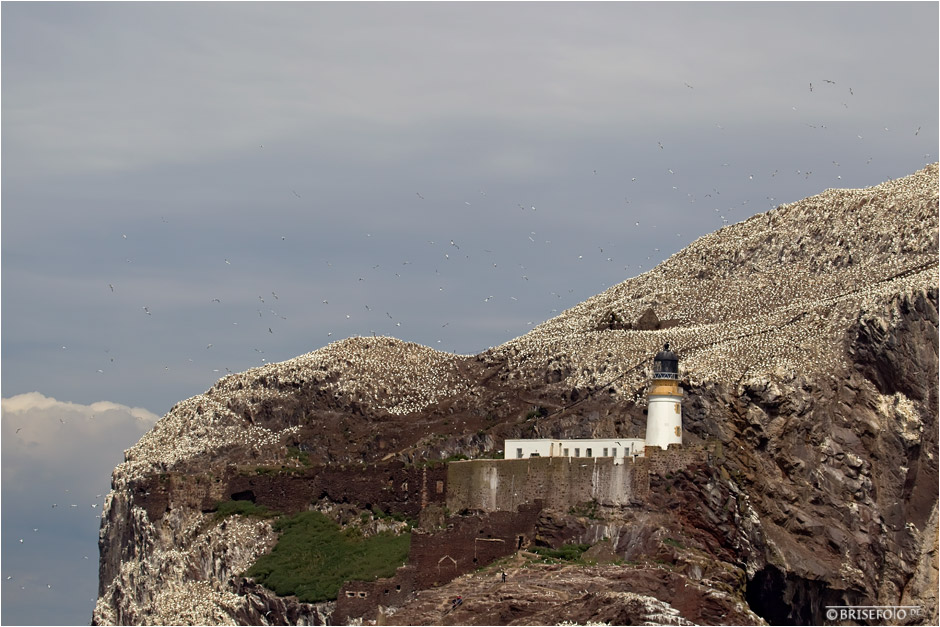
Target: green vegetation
x,y
303,457
673,543
225,509
588,509
396,516
313,557
566,553
270,471
536,412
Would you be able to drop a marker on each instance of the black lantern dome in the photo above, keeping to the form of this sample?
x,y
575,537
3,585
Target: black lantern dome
x,y
666,364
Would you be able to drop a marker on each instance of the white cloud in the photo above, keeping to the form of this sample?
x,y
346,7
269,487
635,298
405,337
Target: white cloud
x,y
42,436
57,462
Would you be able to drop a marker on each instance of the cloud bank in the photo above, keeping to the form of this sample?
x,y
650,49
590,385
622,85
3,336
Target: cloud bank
x,y
57,459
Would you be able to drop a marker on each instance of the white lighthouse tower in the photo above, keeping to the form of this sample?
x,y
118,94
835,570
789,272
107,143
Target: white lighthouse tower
x,y
664,414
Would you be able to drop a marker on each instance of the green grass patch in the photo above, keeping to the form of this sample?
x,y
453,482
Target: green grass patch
x,y
303,457
396,516
536,412
565,553
225,509
313,558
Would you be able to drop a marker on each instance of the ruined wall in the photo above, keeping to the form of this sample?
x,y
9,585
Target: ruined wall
x,y
392,487
470,542
437,557
361,599
560,482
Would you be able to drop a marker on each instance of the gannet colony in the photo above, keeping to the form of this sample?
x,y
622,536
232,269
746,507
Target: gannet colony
x,y
762,298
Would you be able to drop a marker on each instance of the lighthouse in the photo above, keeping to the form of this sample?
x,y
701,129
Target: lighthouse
x,y
664,414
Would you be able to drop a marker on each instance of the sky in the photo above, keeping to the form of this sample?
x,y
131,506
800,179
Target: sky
x,y
190,189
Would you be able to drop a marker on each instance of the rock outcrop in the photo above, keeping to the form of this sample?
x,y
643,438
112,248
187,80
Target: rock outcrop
x,y
808,338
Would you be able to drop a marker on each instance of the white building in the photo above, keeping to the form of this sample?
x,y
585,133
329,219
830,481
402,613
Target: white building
x,y
663,423
618,448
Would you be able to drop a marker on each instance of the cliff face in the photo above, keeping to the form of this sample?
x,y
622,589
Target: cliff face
x,y
808,345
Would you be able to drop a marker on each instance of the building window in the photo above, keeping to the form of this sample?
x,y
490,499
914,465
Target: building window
x,y
518,453
605,452
615,451
588,453
577,452
567,452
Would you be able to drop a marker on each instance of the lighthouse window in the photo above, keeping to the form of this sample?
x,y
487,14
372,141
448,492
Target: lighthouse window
x,y
567,452
577,452
605,452
615,451
518,453
588,453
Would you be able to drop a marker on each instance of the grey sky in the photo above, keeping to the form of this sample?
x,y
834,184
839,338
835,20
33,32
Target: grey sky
x,y
447,173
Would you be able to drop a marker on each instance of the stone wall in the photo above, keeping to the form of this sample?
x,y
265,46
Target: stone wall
x,y
362,599
662,462
392,487
559,482
470,542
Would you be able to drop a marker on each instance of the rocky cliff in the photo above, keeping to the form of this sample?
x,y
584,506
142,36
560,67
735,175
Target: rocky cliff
x,y
808,344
